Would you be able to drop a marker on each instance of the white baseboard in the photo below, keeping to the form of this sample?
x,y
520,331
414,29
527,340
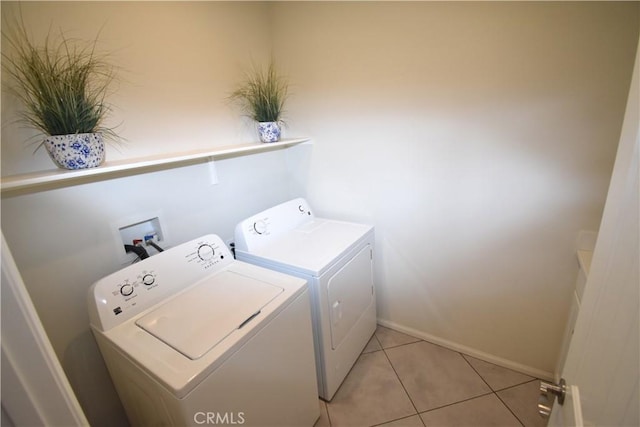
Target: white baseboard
x,y
505,363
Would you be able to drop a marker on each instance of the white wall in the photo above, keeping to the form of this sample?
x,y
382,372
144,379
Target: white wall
x,y
177,62
478,138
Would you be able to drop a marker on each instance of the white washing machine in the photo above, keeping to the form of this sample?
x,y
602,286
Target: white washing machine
x,y
336,258
193,337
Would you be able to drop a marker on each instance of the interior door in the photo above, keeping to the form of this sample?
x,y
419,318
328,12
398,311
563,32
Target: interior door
x,y
602,368
35,388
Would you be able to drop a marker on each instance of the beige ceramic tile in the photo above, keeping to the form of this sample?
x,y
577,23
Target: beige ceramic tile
x,y
390,338
412,421
371,394
323,421
496,376
486,410
523,402
372,345
434,376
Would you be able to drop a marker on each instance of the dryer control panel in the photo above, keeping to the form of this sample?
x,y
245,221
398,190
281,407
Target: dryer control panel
x,y
132,290
259,229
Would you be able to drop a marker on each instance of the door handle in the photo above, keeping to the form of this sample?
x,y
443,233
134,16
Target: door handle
x,y
548,393
337,311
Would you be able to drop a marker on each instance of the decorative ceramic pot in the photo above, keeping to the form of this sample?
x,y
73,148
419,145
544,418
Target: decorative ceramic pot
x,y
269,131
76,151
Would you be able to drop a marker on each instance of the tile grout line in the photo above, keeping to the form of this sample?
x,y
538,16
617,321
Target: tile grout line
x,y
513,386
418,340
459,401
443,406
464,356
400,380
398,419
509,409
326,411
492,390
326,404
476,371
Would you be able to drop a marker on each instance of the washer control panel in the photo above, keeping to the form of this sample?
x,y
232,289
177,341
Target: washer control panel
x,y
127,292
258,229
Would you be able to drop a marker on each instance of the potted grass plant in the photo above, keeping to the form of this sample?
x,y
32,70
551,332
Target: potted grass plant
x,y
262,95
62,85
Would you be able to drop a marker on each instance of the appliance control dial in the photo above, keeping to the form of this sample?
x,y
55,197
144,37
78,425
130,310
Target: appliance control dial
x,y
126,289
148,279
260,226
206,252
303,210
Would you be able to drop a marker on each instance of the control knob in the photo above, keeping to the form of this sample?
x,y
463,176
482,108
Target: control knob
x,y
148,279
260,226
126,289
206,252
302,209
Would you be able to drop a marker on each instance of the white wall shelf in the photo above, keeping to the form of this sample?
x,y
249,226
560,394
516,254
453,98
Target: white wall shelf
x,y
57,178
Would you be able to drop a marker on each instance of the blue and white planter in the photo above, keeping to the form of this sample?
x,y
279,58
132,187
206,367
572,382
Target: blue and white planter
x,y
76,151
269,131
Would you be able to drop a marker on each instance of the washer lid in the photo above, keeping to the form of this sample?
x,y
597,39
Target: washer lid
x,y
194,322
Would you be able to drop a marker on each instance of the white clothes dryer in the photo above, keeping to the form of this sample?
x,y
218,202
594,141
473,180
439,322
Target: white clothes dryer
x,y
336,258
191,336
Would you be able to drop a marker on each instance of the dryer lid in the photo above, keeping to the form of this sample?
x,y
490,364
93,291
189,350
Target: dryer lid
x,y
312,247
196,321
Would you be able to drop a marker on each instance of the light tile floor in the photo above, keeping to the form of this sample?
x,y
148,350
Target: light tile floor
x,y
400,380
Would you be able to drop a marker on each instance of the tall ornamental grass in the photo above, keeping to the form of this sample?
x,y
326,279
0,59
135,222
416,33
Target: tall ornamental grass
x,y
262,94
63,83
